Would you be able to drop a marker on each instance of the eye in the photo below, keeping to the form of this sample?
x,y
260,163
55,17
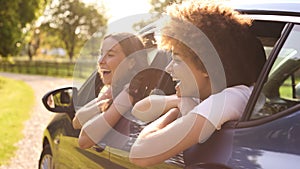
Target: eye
x,y
110,54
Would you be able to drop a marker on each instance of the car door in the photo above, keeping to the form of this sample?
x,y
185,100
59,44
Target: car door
x,y
112,151
69,155
119,154
267,135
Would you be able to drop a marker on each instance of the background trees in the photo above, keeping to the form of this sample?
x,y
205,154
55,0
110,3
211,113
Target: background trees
x,y
16,18
160,5
67,23
74,23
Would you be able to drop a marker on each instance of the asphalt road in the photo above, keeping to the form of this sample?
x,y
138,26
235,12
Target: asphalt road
x,y
30,146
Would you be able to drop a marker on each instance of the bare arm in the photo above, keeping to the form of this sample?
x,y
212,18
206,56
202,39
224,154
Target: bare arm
x,y
172,137
85,113
151,107
90,109
95,129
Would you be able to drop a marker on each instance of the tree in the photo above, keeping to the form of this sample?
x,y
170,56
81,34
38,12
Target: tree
x,y
158,7
16,17
74,22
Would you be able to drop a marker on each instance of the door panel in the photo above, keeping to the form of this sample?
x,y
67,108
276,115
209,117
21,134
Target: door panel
x,y
268,146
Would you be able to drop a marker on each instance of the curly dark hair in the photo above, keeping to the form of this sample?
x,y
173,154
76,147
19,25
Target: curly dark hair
x,y
240,52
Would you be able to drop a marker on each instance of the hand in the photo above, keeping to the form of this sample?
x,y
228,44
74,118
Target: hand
x,y
105,95
186,104
104,99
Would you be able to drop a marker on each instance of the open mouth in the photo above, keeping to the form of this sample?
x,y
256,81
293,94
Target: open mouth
x,y
177,83
105,71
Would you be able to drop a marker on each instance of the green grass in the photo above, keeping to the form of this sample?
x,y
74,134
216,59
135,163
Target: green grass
x,y
16,102
285,90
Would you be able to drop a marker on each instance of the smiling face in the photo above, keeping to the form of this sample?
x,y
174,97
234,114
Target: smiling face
x,y
111,56
192,82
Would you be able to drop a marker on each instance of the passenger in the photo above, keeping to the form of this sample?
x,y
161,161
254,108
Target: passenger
x,y
216,60
122,56
124,60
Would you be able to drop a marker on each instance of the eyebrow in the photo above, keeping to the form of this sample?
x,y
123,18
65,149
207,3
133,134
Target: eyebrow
x,y
110,50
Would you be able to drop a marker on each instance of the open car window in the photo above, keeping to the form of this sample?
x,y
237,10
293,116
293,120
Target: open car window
x,y
268,32
281,90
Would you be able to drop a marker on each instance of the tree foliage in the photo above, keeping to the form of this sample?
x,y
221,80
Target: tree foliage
x,y
74,23
15,19
160,5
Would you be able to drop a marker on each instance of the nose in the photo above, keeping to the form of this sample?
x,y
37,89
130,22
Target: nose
x,y
101,59
169,67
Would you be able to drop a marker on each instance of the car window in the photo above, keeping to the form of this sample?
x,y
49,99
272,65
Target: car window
x,y
281,90
268,32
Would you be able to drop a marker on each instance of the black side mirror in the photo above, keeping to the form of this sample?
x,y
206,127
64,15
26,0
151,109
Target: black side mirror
x,y
60,100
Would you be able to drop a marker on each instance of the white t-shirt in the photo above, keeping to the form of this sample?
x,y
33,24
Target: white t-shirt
x,y
224,106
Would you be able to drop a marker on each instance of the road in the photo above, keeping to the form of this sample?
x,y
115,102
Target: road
x,y
30,146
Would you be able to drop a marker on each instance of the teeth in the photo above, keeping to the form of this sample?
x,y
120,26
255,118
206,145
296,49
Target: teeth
x,y
105,71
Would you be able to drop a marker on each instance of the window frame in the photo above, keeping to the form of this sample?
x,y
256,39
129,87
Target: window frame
x,y
245,119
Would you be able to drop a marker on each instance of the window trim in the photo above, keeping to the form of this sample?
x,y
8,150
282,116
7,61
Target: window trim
x,y
261,81
264,120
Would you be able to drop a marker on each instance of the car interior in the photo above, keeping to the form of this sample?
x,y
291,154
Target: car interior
x,y
279,92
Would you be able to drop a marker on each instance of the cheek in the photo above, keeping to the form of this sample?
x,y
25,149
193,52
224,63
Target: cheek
x,y
182,71
115,62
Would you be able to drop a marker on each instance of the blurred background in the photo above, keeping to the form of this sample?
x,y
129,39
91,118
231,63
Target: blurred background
x,y
45,44
48,36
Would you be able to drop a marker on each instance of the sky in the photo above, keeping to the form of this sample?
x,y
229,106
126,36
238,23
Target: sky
x,y
118,9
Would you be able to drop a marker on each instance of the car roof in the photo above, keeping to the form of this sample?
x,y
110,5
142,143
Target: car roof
x,y
287,11
291,8
282,11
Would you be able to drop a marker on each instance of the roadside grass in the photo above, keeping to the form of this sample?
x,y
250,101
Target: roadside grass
x,y
16,102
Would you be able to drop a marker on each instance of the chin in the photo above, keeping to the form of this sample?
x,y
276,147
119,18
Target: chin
x,y
106,82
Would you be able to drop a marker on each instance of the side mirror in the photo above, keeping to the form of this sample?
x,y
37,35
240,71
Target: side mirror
x,y
60,100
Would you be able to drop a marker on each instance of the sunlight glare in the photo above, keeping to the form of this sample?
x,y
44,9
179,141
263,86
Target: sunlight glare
x,y
117,9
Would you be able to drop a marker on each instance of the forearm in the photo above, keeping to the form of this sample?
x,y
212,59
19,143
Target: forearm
x,y
156,145
150,108
159,124
93,131
99,126
85,113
